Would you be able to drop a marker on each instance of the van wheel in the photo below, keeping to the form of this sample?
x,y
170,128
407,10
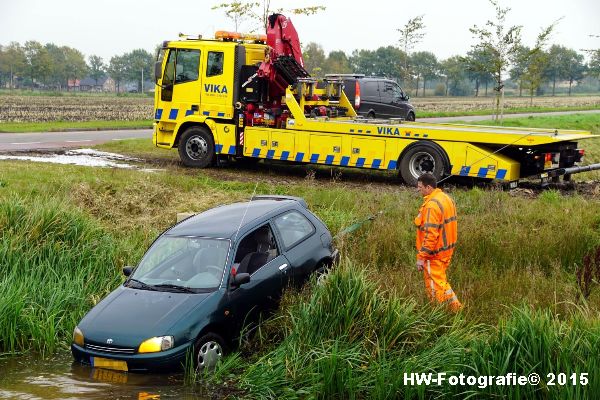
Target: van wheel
x,y
208,351
419,159
196,147
371,115
410,116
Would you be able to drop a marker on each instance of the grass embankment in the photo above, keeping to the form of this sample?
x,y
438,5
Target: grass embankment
x,y
355,336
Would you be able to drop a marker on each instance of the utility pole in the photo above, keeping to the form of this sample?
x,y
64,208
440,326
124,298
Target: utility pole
x,y
142,80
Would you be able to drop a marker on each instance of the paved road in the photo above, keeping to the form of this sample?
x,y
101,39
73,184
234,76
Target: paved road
x,y
472,118
57,140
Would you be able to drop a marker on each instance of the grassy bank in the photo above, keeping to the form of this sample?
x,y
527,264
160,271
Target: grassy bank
x,y
347,339
60,126
65,232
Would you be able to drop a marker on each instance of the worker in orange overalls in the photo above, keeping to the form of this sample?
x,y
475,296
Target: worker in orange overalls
x,y
436,239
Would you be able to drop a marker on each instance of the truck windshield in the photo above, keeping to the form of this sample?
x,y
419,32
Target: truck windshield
x,y
190,262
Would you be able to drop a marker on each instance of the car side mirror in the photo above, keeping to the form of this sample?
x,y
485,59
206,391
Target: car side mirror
x,y
157,71
240,279
127,270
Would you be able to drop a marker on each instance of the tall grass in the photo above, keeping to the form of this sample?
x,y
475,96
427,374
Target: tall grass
x,y
55,264
347,339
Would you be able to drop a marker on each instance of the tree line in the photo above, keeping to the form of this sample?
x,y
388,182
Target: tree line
x,y
49,66
459,75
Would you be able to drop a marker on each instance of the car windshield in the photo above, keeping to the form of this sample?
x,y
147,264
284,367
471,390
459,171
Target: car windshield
x,y
182,263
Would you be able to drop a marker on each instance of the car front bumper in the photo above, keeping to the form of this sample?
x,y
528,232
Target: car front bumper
x,y
162,360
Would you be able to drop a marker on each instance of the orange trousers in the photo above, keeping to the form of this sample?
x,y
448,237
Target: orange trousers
x,y
436,284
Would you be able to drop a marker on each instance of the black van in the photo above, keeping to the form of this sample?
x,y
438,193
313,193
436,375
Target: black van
x,y
376,97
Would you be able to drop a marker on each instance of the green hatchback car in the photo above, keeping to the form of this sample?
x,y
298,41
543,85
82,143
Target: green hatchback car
x,y
201,282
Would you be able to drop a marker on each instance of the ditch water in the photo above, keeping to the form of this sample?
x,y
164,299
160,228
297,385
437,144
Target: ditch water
x,y
30,378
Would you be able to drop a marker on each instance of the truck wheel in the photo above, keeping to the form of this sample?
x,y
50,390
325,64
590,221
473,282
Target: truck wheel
x,y
196,147
419,159
208,351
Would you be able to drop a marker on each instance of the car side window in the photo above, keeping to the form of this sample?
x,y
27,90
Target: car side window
x,y
187,65
371,89
293,227
214,66
255,250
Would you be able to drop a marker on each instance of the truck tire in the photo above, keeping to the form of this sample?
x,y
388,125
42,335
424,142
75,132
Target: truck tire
x,y
196,147
420,158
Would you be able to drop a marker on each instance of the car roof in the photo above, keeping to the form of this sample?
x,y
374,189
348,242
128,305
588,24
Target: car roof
x,y
224,221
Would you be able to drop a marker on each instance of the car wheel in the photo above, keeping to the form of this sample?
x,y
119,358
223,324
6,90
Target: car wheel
x,y
410,116
371,115
209,350
196,147
419,159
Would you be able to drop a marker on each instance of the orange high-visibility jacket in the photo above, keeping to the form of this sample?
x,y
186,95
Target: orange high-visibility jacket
x,y
436,227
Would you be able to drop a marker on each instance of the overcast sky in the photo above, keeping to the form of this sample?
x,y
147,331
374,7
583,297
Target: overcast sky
x,y
112,27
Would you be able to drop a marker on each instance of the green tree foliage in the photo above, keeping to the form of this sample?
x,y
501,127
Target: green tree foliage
x,y
314,59
454,70
338,63
138,64
537,62
520,58
425,66
385,61
12,63
74,63
38,63
478,64
117,71
500,42
97,68
576,68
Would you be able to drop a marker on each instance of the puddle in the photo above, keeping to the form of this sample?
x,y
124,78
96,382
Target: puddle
x,y
83,157
29,378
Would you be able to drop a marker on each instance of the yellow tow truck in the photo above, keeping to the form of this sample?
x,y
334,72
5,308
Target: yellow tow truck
x,y
249,96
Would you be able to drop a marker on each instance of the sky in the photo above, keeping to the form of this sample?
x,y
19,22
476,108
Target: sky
x,y
113,27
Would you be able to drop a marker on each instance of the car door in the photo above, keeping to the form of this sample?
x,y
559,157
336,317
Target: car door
x,y
399,102
266,284
299,242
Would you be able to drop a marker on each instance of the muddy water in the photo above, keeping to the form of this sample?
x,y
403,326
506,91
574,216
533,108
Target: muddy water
x,y
59,378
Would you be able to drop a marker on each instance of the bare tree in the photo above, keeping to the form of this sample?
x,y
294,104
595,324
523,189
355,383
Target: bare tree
x,y
500,43
410,35
237,11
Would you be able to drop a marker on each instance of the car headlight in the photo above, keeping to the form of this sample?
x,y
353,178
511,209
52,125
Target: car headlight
x,y
159,343
78,336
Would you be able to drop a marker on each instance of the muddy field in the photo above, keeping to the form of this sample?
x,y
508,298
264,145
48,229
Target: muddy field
x,y
14,108
74,108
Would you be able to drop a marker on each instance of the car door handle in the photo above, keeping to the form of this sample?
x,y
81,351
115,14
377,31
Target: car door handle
x,y
282,267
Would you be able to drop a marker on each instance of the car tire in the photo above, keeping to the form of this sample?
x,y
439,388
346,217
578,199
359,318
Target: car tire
x,y
371,115
421,158
410,116
209,349
197,147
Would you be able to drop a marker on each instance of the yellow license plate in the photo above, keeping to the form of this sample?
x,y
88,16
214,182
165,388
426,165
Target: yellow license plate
x,y
106,375
99,362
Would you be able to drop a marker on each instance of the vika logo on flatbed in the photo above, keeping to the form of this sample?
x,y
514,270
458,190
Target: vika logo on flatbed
x,y
212,88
